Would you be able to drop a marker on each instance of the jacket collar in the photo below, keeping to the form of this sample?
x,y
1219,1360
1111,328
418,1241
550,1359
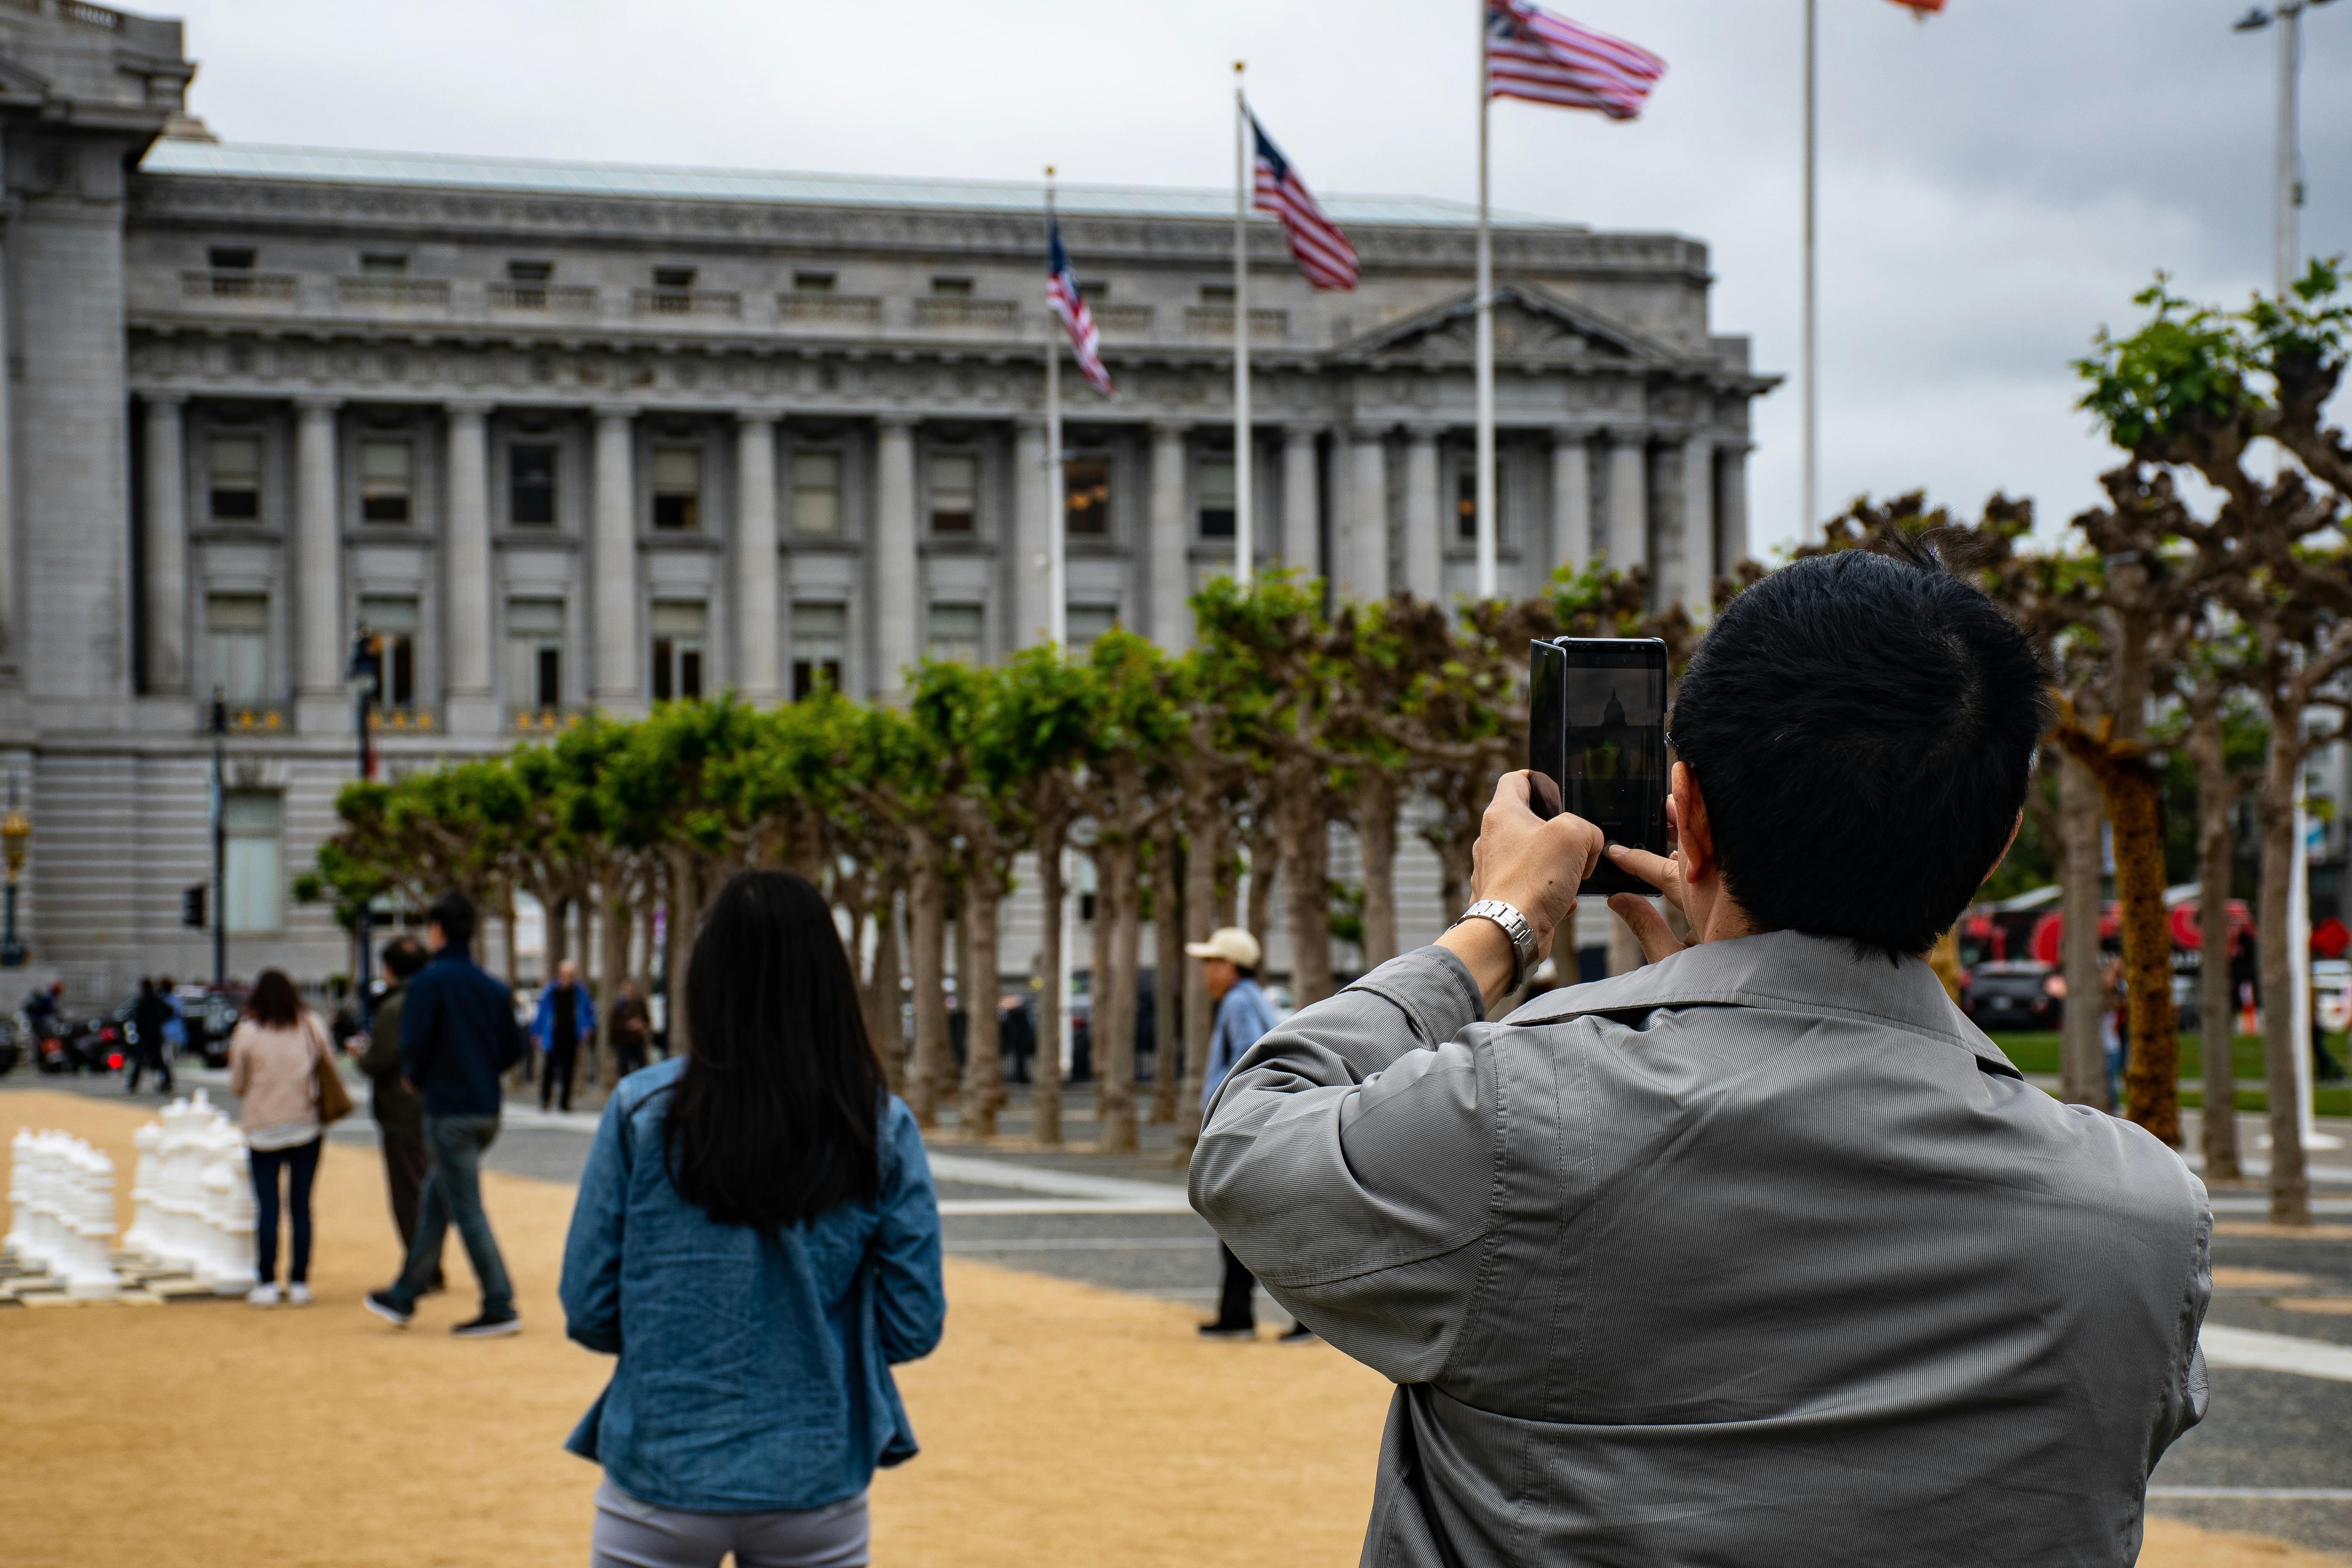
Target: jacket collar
x,y
1787,970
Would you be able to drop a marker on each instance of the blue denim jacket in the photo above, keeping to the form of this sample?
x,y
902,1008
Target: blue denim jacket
x,y
754,1374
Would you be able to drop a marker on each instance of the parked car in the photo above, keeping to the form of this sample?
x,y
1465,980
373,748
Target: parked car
x,y
2014,993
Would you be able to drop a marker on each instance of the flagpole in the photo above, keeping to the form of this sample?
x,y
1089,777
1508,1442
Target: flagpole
x,y
1488,586
1057,572
1245,533
1810,522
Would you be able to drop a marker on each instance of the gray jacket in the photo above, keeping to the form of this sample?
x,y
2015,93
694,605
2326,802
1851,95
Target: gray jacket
x,y
1759,1255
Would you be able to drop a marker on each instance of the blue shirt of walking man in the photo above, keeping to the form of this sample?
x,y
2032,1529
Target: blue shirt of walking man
x,y
1229,961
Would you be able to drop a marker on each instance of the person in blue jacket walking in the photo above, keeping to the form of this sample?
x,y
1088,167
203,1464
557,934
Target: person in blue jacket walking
x,y
565,1021
757,1241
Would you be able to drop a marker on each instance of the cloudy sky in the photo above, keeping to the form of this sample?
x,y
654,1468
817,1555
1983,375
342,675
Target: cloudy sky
x,y
1995,183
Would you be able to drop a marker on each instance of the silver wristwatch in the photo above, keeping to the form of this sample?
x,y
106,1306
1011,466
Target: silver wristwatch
x,y
1515,926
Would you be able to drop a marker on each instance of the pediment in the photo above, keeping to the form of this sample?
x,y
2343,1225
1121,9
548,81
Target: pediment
x,y
1530,323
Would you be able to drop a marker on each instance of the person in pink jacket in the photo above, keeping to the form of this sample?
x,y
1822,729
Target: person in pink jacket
x,y
273,1058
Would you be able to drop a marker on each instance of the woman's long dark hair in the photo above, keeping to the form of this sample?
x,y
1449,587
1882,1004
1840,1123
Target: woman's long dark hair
x,y
274,1002
776,1117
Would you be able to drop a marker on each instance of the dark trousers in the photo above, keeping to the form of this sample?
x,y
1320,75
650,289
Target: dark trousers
x,y
300,1164
144,1060
563,1057
404,1177
1236,1308
629,1052
453,1194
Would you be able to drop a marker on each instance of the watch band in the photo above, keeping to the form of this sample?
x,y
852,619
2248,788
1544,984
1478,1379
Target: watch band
x,y
1515,926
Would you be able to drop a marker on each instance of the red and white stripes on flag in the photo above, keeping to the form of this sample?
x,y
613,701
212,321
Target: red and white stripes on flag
x,y
1533,54
1062,298
1321,251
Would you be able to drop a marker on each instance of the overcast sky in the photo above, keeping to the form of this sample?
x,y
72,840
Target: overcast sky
x,y
1996,182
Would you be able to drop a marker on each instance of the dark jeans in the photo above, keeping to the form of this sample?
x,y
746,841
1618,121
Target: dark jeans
x,y
404,1177
563,1060
453,1193
1235,1307
301,1164
144,1060
629,1052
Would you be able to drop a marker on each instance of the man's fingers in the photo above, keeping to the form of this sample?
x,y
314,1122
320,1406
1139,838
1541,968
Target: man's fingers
x,y
1650,928
1659,870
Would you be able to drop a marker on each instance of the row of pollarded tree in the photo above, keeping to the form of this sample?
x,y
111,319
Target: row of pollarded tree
x,y
1170,774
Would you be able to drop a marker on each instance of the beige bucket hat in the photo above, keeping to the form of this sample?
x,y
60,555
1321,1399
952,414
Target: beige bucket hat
x,y
1232,944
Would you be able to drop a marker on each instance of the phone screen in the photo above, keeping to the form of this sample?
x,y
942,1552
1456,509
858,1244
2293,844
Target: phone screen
x,y
1597,735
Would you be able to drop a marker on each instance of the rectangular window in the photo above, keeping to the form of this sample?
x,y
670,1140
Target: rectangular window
x,y
535,653
530,271
386,470
230,259
236,640
955,492
531,485
673,277
1217,294
235,465
1087,622
1466,506
253,866
813,282
677,487
1217,498
392,622
1086,497
817,492
820,639
382,264
950,288
680,633
955,633
1096,289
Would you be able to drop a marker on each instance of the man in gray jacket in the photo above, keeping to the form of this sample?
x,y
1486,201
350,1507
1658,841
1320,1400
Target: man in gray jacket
x,y
1761,1254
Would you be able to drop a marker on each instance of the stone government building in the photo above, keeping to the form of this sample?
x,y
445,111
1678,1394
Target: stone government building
x,y
578,435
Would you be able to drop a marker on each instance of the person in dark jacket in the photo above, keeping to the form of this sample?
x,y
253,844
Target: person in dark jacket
x,y
399,1114
631,1028
151,1020
458,1034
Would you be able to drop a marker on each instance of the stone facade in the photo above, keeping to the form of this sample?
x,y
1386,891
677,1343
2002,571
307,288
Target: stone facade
x,y
586,436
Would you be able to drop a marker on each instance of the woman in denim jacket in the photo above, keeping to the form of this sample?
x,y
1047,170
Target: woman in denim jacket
x,y
757,1240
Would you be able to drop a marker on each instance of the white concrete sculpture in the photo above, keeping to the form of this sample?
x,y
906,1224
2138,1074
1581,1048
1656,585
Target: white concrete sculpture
x,y
197,1214
62,1191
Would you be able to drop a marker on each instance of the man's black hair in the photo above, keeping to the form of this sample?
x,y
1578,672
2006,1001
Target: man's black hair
x,y
454,914
405,956
1862,728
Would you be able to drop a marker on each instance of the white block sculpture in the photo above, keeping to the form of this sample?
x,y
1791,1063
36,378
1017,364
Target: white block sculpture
x,y
141,1237
197,1214
62,1191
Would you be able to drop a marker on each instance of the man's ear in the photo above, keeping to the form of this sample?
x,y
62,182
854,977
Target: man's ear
x,y
1694,838
2007,844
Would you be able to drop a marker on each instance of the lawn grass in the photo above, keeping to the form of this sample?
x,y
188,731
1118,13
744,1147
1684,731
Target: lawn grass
x,y
2036,1051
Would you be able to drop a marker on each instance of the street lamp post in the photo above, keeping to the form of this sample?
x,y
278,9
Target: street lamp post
x,y
220,843
15,830
2286,238
366,677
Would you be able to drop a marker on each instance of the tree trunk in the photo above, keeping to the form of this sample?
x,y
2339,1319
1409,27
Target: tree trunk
x,y
1046,1093
926,935
1264,845
1202,861
1376,838
2135,807
1167,975
555,912
2280,966
679,922
983,1052
618,907
884,995
1306,889
2217,1007
1455,863
2082,1060
1115,912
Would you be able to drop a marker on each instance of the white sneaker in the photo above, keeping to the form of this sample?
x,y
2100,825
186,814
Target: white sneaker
x,y
298,1295
262,1296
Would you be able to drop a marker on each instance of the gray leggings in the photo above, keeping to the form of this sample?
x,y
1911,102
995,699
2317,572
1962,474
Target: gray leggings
x,y
634,1534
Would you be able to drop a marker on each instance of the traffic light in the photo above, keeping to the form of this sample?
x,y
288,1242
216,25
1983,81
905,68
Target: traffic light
x,y
191,905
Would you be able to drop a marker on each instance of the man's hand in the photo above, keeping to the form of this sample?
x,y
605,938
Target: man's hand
x,y
1664,872
1533,866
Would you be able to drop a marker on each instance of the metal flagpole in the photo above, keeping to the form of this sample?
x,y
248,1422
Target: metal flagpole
x,y
2288,238
1245,533
1057,622
1811,520
1488,573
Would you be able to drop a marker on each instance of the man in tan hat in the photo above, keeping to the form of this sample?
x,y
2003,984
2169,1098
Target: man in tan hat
x,y
1228,974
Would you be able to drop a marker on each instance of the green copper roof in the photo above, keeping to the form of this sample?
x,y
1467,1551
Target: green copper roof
x,y
227,160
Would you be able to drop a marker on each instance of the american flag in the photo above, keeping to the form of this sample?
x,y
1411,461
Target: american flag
x,y
1546,58
1062,297
1321,251
1920,8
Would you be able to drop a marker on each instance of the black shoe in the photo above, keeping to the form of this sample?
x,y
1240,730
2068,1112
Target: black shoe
x,y
1296,1334
490,1326
1228,1331
381,1303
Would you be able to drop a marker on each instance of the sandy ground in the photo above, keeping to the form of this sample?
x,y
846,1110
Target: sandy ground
x,y
1061,1424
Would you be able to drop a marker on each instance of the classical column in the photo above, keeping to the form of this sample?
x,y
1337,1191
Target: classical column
x,y
1301,499
1699,525
320,704
1171,585
1629,501
618,685
1424,516
1033,534
473,701
898,637
1364,572
165,542
755,556
1572,500
1731,504
12,660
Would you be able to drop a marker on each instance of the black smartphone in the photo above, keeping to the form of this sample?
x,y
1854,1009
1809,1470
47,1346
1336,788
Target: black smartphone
x,y
1597,742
